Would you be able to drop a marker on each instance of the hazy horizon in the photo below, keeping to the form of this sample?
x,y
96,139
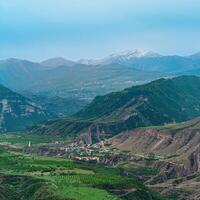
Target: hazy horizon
x,y
77,29
90,58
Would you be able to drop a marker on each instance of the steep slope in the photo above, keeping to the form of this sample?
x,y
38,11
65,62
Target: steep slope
x,y
181,139
58,106
18,112
161,101
156,103
173,149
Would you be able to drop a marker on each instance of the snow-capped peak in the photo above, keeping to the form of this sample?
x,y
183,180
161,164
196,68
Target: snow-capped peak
x,y
121,57
136,53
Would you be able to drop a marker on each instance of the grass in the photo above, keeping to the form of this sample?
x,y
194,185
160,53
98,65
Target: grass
x,y
53,172
57,178
51,178
97,180
22,139
85,193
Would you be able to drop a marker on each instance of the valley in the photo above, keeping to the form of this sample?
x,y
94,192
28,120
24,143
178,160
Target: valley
x,y
47,177
160,102
64,87
160,158
70,80
99,100
56,144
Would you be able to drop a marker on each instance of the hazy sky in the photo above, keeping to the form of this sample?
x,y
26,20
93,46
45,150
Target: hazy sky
x,y
39,29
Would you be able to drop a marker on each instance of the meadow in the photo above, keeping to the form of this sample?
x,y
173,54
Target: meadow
x,y
32,177
22,139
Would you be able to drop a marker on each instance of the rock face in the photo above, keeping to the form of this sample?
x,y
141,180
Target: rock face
x,y
18,112
181,142
194,160
176,148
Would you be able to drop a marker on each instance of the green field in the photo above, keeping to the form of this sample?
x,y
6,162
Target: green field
x,y
33,176
50,178
22,139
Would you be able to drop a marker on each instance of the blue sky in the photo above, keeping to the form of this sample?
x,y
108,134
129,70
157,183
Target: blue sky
x,y
39,29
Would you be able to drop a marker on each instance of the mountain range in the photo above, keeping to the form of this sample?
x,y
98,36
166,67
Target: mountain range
x,y
137,111
152,127
76,83
150,61
68,81
62,77
157,103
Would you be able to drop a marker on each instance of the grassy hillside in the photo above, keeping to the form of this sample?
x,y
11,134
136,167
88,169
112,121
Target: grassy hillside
x,y
156,103
168,99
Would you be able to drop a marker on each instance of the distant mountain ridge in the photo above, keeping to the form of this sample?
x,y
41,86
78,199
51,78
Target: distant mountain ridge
x,y
57,62
20,74
137,53
63,78
66,79
150,61
121,57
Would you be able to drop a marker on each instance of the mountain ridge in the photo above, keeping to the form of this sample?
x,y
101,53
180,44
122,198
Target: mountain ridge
x,y
149,60
18,112
121,56
64,80
156,103
57,62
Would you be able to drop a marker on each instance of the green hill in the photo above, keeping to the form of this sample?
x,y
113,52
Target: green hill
x,y
161,101
156,103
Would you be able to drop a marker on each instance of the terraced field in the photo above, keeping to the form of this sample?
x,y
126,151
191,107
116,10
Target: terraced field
x,y
31,177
